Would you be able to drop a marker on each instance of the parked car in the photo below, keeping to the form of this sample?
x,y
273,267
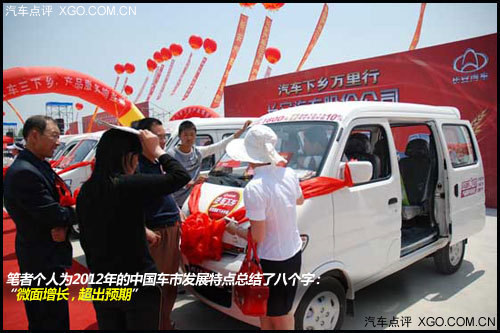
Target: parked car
x,y
397,212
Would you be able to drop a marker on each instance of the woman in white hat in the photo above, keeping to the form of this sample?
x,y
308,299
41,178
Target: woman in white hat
x,y
270,200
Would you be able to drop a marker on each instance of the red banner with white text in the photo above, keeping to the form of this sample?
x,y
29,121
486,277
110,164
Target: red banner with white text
x,y
238,40
261,48
315,36
172,62
462,74
195,78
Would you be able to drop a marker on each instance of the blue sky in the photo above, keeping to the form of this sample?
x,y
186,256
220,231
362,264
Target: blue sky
x,y
93,44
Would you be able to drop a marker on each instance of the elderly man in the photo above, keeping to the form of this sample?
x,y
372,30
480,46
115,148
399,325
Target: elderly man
x,y
32,200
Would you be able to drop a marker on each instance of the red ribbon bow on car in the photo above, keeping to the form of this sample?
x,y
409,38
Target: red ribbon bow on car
x,y
65,197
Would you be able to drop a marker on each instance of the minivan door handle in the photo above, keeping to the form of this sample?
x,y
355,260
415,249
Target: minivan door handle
x,y
456,190
393,201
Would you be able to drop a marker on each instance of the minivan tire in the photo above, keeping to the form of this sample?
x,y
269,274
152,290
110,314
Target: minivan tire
x,y
449,259
326,301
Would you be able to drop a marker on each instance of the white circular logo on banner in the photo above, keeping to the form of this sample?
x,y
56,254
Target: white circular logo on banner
x,y
470,61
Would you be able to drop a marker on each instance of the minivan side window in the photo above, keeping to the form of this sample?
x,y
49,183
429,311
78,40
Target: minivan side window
x,y
459,144
205,140
369,143
226,135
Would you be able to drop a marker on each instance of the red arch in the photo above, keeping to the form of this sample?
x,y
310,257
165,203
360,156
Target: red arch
x,y
20,81
194,111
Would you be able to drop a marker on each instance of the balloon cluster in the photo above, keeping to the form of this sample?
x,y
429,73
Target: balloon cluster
x,y
120,69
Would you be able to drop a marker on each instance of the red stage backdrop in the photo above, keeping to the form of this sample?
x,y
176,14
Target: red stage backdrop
x,y
461,74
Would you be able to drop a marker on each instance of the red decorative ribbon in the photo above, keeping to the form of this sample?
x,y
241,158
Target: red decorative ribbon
x,y
65,197
5,168
77,165
202,236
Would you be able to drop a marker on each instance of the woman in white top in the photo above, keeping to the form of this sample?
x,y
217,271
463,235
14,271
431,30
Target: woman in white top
x,y
270,201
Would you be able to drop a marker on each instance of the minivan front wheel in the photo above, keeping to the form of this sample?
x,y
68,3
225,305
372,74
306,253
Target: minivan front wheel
x,y
323,306
449,259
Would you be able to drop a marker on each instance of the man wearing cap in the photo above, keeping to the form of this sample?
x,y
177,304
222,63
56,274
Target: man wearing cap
x,y
270,200
32,200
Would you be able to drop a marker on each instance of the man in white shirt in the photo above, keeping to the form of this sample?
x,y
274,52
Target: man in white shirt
x,y
191,156
270,200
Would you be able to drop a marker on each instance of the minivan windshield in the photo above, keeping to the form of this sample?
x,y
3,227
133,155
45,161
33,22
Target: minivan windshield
x,y
78,153
304,145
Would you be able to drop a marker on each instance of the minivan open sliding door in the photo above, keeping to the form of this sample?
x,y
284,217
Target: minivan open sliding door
x,y
464,179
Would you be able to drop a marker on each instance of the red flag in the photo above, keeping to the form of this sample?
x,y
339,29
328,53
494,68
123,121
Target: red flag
x,y
166,79
416,36
195,78
268,72
182,75
238,40
315,36
261,48
142,89
155,82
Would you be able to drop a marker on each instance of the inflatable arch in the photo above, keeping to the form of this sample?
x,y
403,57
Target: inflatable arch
x,y
194,111
19,81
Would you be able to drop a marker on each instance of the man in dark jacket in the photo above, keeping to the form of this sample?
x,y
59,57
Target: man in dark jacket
x,y
32,200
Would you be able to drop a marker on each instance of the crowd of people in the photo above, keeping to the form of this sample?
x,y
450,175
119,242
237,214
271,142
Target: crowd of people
x,y
129,216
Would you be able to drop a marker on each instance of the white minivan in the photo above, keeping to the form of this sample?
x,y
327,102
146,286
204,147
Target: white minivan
x,y
418,191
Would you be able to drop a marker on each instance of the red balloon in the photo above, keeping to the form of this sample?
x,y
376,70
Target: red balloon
x,y
129,68
247,5
158,57
151,64
273,55
210,46
166,54
79,106
119,69
176,49
129,90
195,42
273,6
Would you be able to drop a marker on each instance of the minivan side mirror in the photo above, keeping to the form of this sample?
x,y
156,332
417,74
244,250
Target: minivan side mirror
x,y
361,171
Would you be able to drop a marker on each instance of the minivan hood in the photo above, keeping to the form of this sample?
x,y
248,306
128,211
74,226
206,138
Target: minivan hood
x,y
218,201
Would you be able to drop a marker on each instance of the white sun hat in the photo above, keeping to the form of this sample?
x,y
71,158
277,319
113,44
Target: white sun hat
x,y
256,147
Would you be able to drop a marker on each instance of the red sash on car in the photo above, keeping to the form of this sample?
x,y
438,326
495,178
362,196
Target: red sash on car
x,y
202,236
65,197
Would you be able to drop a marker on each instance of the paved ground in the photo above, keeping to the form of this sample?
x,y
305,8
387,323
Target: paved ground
x,y
446,302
